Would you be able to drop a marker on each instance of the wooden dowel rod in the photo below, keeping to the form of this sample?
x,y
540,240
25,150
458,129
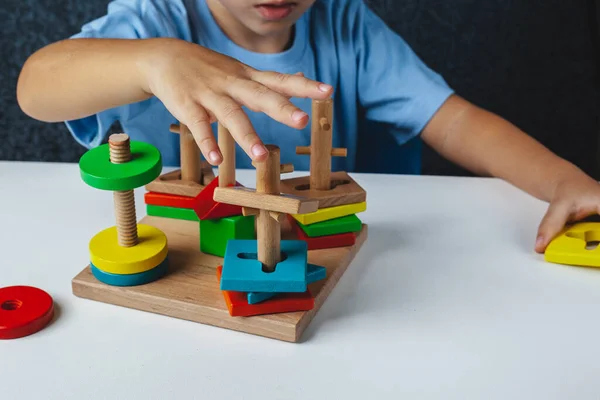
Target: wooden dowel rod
x,y
336,152
190,156
174,128
268,230
227,147
286,168
321,144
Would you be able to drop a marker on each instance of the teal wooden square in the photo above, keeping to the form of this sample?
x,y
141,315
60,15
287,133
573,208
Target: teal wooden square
x,y
242,272
314,273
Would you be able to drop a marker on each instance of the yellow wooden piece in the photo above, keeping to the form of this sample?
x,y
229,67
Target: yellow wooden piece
x,y
325,214
108,256
569,247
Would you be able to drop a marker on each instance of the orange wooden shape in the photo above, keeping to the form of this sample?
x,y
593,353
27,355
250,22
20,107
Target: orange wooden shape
x,y
168,200
323,242
237,302
206,208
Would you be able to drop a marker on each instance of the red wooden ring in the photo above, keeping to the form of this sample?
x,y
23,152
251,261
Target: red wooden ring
x,y
24,310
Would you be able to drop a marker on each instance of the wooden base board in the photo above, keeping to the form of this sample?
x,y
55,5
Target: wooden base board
x,y
190,290
348,193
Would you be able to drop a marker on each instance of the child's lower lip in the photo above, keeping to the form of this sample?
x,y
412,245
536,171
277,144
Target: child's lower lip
x,y
272,12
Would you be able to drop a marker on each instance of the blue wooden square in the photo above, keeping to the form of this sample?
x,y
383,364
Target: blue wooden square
x,y
242,272
314,273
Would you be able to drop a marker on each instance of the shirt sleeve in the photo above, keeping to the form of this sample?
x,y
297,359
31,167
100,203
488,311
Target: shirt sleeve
x,y
127,19
395,87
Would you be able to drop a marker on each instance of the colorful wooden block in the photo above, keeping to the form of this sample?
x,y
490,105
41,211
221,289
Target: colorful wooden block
x,y
107,255
570,246
349,223
99,172
238,306
140,278
24,310
169,200
325,214
215,233
171,212
324,242
242,271
206,208
314,273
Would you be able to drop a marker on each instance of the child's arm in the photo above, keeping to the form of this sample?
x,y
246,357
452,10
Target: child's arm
x,y
488,145
76,78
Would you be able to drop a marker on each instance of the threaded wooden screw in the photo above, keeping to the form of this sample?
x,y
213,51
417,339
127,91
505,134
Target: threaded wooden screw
x,y
120,153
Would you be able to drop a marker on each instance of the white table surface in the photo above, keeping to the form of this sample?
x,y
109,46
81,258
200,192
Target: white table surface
x,y
446,300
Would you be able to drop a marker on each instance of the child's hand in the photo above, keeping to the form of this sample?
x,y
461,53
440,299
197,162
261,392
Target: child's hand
x,y
199,86
575,198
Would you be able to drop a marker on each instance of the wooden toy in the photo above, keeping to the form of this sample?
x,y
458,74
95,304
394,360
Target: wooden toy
x,y
325,214
349,223
189,289
238,306
121,166
571,247
331,189
171,212
324,242
267,271
193,175
314,273
24,310
219,231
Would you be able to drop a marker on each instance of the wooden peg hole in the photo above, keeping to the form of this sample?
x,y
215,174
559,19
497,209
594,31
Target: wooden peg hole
x,y
11,305
254,256
325,125
334,183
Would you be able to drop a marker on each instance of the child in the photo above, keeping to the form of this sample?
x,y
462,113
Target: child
x,y
150,63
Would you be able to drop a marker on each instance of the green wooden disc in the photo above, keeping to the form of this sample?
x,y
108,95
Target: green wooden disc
x,y
98,172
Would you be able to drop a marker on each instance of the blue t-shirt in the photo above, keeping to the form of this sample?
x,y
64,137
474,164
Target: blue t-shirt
x,y
384,93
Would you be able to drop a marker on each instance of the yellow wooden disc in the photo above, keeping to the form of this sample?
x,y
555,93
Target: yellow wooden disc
x,y
108,256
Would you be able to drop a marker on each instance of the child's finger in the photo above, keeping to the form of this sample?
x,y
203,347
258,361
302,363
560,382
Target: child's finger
x,y
198,122
293,85
553,222
260,98
230,114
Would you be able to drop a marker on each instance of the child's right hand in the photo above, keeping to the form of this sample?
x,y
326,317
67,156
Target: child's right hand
x,y
199,86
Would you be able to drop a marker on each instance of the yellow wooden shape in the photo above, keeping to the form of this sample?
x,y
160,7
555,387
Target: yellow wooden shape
x,y
107,255
569,247
325,214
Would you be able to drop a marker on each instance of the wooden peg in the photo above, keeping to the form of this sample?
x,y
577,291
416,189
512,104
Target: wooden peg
x,y
191,169
248,211
321,144
227,166
268,229
286,168
335,152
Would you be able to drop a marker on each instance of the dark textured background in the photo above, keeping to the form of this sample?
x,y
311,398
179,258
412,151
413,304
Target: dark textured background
x,y
534,62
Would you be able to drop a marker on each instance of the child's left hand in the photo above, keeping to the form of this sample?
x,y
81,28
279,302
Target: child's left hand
x,y
575,197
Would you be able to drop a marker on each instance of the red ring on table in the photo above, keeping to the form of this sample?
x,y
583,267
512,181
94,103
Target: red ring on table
x,y
24,310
